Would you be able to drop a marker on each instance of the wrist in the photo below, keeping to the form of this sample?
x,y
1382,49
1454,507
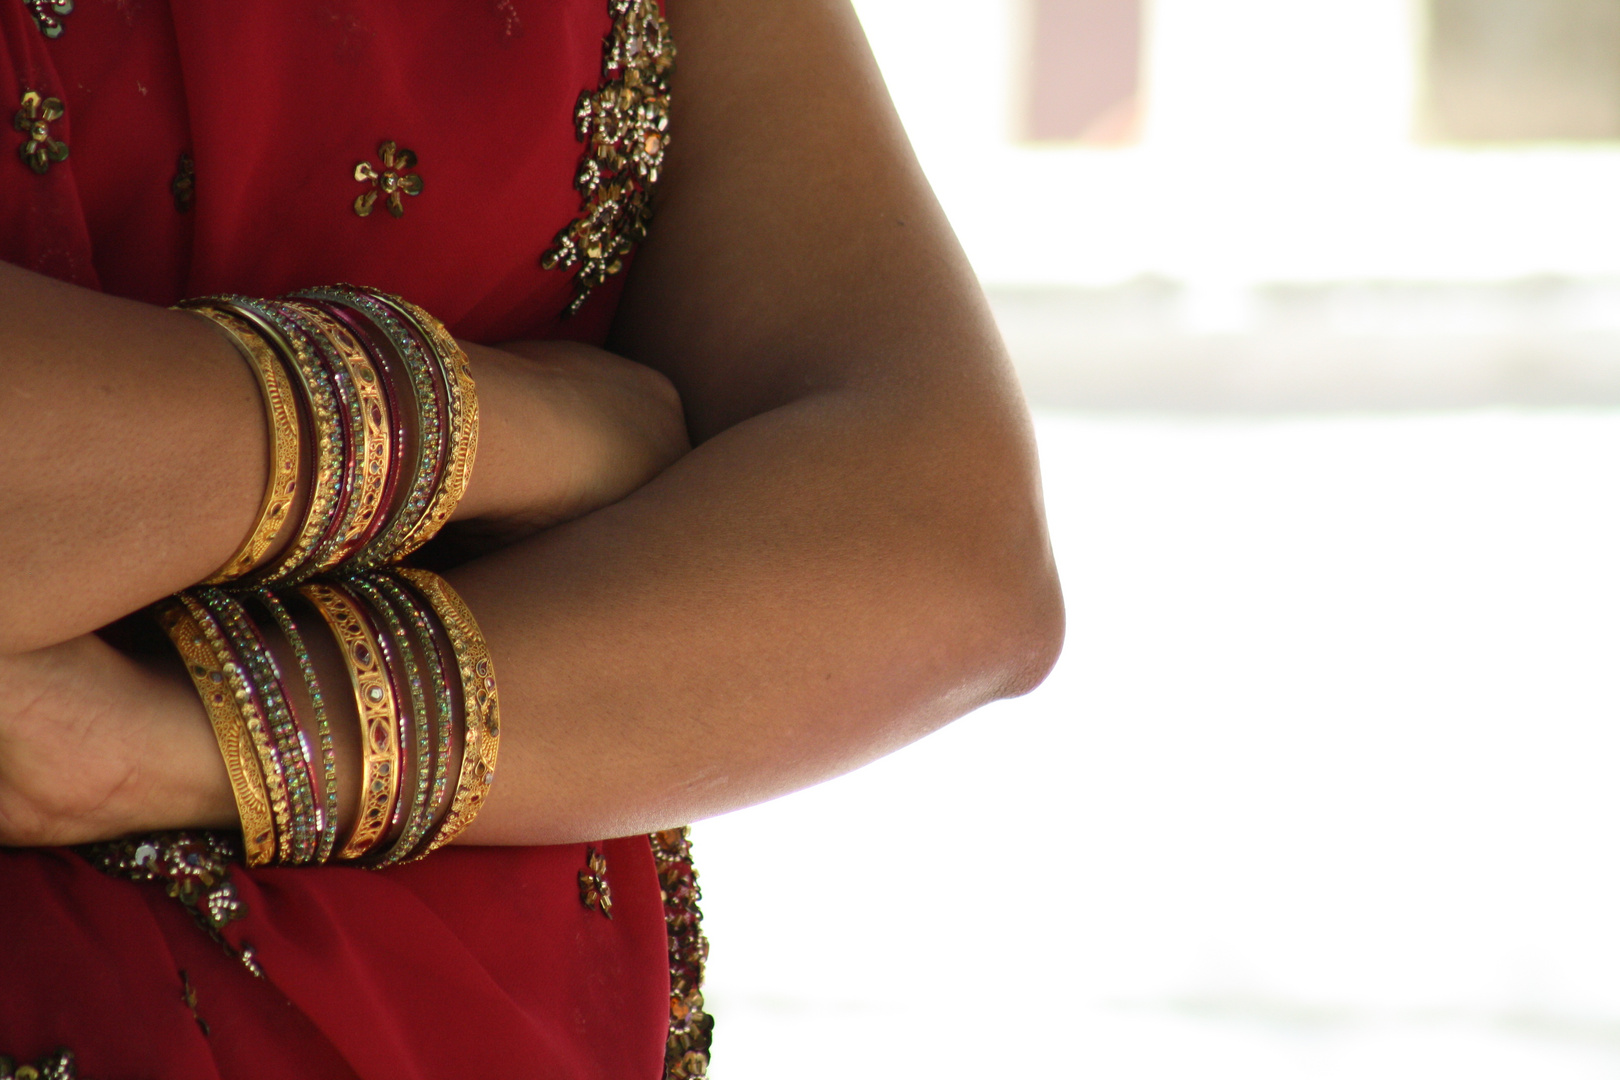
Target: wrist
x,y
184,784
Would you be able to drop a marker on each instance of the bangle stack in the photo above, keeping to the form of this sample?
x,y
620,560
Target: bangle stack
x,y
373,421
422,681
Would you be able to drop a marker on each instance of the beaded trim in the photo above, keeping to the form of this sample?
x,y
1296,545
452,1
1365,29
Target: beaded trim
x,y
691,1030
48,15
192,867
624,124
57,1065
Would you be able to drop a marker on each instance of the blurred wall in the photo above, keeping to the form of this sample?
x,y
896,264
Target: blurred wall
x,y
1283,150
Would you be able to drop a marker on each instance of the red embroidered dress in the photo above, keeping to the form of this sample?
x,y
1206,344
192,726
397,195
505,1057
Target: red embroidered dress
x,y
489,161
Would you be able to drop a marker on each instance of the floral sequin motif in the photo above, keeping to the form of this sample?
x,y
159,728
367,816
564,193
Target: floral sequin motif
x,y
624,124
184,185
691,1030
192,867
34,118
59,1065
392,182
48,15
593,886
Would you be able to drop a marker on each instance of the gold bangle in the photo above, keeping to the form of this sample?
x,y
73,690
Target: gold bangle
x,y
242,762
480,704
463,420
281,411
326,482
376,446
379,715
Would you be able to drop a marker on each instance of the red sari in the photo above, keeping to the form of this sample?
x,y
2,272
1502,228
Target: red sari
x,y
165,150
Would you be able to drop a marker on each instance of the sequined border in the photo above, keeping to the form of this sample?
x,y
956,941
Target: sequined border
x,y
691,1030
192,867
624,124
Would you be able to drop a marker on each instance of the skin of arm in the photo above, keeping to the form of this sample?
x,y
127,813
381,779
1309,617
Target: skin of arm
x,y
134,452
855,552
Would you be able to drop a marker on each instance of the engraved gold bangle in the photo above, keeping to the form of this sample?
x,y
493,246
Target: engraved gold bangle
x,y
207,671
258,726
376,447
379,715
326,484
463,407
424,376
480,704
281,411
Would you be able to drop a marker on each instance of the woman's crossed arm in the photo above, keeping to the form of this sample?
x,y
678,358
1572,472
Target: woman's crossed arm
x,y
853,554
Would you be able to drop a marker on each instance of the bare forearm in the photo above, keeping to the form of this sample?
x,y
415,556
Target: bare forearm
x,y
769,612
133,450
132,456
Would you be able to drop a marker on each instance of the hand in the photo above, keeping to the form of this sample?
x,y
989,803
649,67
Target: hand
x,y
566,429
95,744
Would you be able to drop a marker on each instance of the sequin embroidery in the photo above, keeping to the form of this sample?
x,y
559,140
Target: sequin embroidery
x,y
34,118
48,15
593,886
624,124
392,181
184,185
58,1065
192,867
691,1030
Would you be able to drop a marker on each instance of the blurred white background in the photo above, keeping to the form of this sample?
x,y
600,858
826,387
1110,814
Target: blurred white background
x,y
1324,784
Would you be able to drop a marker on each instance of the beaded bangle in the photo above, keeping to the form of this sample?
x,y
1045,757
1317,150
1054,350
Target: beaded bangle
x,y
326,552
367,438
207,671
258,732
290,750
434,427
376,435
341,358
281,410
456,372
438,674
378,710
327,488
415,815
480,703
328,806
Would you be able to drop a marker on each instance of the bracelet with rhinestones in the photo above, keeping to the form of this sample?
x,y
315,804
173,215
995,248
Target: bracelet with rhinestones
x,y
480,703
413,815
207,671
436,371
247,696
374,420
423,688
290,759
281,410
323,727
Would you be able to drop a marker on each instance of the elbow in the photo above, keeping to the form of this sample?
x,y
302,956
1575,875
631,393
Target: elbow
x,y
1026,611
1007,626
1037,639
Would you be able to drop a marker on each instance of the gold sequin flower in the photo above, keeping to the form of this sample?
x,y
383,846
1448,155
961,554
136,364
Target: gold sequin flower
x,y
593,887
34,119
395,180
